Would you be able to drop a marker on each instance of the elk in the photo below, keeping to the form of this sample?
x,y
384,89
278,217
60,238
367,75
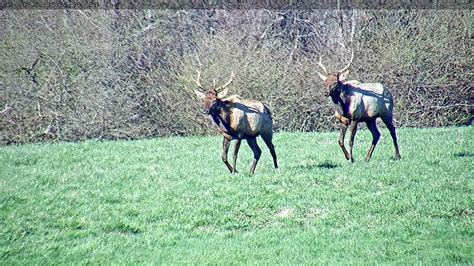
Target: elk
x,y
356,102
238,119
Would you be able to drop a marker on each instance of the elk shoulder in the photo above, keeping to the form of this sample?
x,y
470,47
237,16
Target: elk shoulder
x,y
368,100
247,117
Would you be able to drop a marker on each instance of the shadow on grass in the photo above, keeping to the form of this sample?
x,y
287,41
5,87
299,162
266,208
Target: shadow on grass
x,y
327,165
455,213
124,227
323,165
464,154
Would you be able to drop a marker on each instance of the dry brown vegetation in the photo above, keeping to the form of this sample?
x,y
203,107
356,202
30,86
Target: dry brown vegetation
x,y
78,74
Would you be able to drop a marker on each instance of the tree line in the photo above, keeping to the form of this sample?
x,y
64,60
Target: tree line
x,y
108,74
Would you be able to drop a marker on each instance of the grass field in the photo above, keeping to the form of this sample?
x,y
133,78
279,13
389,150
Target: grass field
x,y
172,200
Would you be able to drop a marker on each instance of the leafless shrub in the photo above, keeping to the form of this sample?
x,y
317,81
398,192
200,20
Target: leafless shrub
x,y
78,74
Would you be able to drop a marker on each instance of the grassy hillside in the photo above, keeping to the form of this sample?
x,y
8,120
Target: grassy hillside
x,y
172,200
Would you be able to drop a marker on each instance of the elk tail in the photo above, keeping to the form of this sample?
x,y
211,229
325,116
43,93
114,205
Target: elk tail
x,y
266,110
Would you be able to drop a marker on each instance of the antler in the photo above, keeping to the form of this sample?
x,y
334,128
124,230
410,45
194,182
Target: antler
x,y
232,76
323,77
321,65
348,65
197,79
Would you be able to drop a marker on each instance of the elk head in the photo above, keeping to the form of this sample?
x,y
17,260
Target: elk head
x,y
333,80
214,95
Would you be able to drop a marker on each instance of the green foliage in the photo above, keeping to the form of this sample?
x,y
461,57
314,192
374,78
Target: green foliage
x,y
171,200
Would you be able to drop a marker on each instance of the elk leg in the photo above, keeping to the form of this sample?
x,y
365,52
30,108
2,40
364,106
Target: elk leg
x,y
257,152
343,129
372,126
389,123
236,151
225,151
353,128
268,141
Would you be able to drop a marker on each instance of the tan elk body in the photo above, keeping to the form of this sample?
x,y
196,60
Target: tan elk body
x,y
238,119
356,102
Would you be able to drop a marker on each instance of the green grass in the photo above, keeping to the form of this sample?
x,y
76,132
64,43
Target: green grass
x,y
172,200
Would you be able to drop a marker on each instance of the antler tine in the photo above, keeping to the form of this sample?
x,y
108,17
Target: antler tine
x,y
321,65
214,84
350,62
197,79
232,76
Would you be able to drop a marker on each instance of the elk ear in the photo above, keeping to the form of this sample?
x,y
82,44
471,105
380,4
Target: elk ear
x,y
322,76
342,76
222,93
200,95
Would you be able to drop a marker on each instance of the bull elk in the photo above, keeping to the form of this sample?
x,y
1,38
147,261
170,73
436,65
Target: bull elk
x,y
356,102
238,119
